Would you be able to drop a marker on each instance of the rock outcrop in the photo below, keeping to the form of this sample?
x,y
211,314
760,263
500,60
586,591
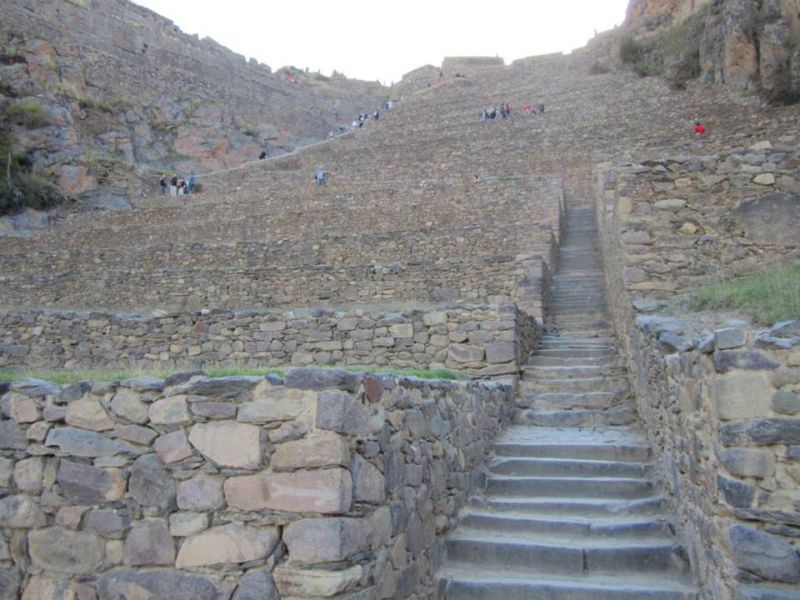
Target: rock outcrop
x,y
120,85
751,46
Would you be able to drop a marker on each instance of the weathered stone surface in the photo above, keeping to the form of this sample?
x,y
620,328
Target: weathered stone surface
x,y
280,404
327,491
201,492
88,414
741,396
128,405
671,205
136,434
130,584
214,410
749,360
785,402
19,408
10,580
369,484
149,543
74,392
79,442
6,471
110,524
771,219
185,524
325,449
170,411
228,544
150,484
12,436
20,512
736,493
501,352
256,585
460,353
761,432
34,388
312,541
320,379
223,388
143,383
173,447
228,444
342,412
28,474
764,555
732,337
373,388
748,462
310,583
64,551
85,484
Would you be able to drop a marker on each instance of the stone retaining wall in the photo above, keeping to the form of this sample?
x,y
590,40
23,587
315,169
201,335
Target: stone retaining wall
x,y
720,403
194,488
481,341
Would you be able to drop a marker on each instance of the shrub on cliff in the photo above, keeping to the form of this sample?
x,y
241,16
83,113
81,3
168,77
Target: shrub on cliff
x,y
19,188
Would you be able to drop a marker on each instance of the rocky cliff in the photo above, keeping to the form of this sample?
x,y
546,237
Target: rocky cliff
x,y
751,45
112,84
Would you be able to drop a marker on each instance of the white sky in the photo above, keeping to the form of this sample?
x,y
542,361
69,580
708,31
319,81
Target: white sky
x,y
383,39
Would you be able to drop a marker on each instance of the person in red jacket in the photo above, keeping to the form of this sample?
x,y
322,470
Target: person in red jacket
x,y
699,129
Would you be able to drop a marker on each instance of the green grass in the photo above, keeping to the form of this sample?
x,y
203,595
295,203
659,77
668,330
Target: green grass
x,y
65,377
27,113
769,296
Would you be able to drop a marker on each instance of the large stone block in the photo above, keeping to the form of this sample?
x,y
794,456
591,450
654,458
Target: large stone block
x,y
501,352
278,404
342,412
228,444
130,584
760,432
742,396
79,442
201,492
109,524
312,541
764,555
315,583
170,411
256,585
149,543
228,544
10,580
12,436
369,484
749,462
20,512
461,353
771,219
327,491
128,405
186,524
88,414
173,447
150,484
28,474
325,449
320,379
63,551
85,484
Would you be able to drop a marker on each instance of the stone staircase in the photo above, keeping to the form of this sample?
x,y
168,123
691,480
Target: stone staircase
x,y
571,508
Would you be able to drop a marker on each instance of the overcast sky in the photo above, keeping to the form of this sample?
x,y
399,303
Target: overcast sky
x,y
383,39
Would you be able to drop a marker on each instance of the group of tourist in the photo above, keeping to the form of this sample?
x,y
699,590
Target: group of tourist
x,y
177,186
504,110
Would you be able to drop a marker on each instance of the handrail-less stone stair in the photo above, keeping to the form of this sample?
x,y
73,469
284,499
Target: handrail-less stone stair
x,y
571,507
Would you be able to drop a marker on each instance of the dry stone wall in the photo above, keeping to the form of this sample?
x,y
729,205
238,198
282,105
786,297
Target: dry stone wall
x,y
480,341
720,403
194,488
676,222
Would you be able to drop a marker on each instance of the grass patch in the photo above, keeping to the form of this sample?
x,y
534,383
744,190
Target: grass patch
x,y
19,187
244,371
27,113
769,296
418,373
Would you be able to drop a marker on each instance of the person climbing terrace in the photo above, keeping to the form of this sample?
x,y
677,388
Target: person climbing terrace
x,y
699,128
191,183
173,185
162,182
319,176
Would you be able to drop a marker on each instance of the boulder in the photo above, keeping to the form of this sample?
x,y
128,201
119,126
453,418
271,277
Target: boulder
x,y
150,484
126,584
85,484
772,219
228,544
65,551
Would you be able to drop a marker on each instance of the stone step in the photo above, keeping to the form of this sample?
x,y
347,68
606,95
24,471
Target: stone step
x,y
576,384
611,360
768,592
522,486
565,507
551,372
617,452
527,525
552,339
578,353
568,467
565,556
468,582
576,418
567,401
